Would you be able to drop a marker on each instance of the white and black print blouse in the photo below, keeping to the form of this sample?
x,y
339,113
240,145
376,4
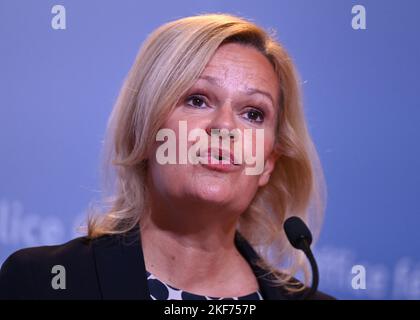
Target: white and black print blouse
x,y
162,291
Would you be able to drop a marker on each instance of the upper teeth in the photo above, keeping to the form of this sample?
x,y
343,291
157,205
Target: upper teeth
x,y
214,154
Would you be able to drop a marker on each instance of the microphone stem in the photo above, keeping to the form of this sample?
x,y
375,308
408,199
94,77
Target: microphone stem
x,y
315,273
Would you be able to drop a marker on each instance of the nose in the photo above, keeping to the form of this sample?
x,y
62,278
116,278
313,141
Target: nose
x,y
222,123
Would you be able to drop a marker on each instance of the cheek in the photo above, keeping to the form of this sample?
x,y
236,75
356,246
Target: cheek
x,y
161,176
257,148
269,138
180,113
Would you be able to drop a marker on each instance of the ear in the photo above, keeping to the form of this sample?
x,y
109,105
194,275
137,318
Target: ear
x,y
269,166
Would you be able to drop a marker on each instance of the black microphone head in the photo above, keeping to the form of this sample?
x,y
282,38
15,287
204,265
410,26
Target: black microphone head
x,y
297,231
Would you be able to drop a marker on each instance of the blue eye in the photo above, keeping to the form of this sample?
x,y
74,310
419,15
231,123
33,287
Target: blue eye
x,y
254,115
195,101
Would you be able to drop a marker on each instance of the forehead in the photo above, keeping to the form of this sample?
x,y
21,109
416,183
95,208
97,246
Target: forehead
x,y
242,66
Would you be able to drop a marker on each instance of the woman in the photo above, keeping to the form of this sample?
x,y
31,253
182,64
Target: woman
x,y
207,229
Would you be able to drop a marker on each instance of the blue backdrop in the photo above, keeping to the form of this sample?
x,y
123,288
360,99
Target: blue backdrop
x,y
57,88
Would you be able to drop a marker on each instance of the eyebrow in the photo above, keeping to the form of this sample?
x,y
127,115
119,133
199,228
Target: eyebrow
x,y
248,91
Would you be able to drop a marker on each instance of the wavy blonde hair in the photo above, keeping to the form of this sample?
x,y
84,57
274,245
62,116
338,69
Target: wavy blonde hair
x,y
167,65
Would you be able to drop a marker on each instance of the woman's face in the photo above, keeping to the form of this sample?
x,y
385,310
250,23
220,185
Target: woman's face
x,y
238,90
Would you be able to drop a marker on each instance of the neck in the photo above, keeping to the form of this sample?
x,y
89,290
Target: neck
x,y
190,232
182,245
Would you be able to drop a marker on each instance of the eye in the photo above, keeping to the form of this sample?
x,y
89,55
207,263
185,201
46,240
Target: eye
x,y
254,115
196,101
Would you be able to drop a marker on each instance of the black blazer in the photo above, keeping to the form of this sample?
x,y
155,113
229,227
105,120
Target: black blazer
x,y
108,267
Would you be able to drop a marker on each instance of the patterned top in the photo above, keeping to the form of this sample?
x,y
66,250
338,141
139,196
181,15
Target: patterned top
x,y
160,290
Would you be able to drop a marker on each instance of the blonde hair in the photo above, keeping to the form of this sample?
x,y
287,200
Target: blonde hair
x,y
167,65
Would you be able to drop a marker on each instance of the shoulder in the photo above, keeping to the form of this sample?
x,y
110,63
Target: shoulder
x,y
268,283
27,273
29,258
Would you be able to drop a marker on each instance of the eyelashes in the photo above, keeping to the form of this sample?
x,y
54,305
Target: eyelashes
x,y
195,98
255,115
251,114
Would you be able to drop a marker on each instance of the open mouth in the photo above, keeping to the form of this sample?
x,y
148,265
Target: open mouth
x,y
221,156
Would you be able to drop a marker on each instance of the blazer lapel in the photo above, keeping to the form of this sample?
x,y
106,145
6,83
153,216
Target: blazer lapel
x,y
121,269
268,290
120,266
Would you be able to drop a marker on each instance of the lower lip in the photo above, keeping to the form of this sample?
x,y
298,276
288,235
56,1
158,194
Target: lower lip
x,y
222,167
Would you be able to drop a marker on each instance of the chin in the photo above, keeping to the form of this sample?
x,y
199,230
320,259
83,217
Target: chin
x,y
216,192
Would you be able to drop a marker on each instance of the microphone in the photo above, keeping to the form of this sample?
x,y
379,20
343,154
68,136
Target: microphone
x,y
301,238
